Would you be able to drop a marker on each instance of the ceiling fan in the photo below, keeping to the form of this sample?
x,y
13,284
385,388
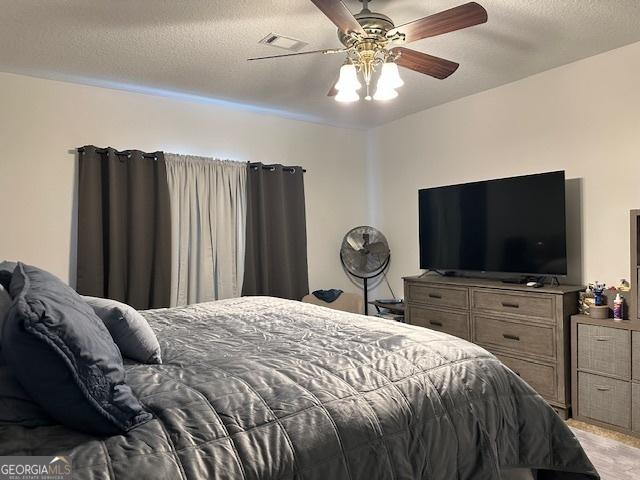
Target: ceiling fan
x,y
371,40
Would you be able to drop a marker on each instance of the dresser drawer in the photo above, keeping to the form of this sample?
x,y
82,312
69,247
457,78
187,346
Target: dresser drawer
x,y
542,378
512,335
604,399
604,350
455,297
635,356
453,323
540,306
635,410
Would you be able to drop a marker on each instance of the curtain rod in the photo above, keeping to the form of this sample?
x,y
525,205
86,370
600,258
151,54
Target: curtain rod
x,y
124,152
153,155
272,168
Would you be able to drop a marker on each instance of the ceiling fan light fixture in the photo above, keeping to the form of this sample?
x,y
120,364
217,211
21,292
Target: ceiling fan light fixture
x,y
384,93
390,76
347,96
369,40
348,79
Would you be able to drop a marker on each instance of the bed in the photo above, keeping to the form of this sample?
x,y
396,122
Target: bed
x,y
264,388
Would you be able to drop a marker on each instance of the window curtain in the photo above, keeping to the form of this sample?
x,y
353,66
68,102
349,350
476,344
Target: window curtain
x,y
124,231
208,210
276,248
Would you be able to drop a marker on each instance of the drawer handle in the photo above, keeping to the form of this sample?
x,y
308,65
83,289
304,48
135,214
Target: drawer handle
x,y
602,339
437,324
435,295
600,388
508,336
510,305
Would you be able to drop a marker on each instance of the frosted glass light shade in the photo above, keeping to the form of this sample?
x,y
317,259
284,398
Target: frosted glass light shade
x,y
390,76
384,93
348,79
347,96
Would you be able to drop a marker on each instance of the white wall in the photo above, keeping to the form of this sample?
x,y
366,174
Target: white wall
x,y
41,120
583,118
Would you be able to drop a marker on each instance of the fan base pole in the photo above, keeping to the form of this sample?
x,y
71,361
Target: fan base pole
x,y
366,297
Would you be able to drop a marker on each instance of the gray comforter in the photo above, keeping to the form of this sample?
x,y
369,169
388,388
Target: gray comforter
x,y
262,388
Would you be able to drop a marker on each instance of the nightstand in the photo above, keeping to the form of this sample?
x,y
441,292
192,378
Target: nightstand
x,y
605,373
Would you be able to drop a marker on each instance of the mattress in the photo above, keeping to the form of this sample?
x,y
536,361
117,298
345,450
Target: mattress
x,y
264,388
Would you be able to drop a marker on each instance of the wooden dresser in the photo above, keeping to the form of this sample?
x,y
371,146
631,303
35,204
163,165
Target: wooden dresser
x,y
606,373
528,329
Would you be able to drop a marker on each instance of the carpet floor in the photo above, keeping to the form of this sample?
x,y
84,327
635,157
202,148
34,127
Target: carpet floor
x,y
613,454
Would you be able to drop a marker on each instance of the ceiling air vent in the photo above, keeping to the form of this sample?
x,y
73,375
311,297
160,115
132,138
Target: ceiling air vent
x,y
286,43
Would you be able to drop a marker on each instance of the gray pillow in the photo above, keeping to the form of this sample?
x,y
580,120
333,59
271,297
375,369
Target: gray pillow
x,y
65,359
16,406
8,265
6,271
130,330
5,304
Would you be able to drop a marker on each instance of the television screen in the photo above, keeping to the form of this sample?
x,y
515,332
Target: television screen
x,y
511,225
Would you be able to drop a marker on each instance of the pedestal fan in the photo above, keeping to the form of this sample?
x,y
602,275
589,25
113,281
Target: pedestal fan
x,y
365,254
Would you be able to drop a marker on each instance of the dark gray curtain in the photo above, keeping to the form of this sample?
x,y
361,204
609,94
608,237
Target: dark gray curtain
x,y
276,248
124,227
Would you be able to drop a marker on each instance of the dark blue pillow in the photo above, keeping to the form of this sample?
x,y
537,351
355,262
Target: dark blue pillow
x,y
64,357
6,271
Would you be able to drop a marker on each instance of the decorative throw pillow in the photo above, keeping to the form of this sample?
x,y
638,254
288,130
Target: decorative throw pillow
x,y
8,265
5,304
16,406
130,330
6,271
64,357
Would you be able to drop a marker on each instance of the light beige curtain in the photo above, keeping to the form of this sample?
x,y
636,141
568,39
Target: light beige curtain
x,y
208,221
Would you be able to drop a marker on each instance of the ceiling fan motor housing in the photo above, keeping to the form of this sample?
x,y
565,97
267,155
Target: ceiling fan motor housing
x,y
376,25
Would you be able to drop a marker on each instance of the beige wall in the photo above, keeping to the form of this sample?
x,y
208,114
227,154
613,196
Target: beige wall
x,y
583,118
41,120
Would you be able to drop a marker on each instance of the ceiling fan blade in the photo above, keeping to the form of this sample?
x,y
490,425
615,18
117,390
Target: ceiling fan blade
x,y
456,18
340,15
324,52
423,63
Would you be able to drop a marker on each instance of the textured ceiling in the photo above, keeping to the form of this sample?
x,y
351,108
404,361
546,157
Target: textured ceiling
x,y
199,47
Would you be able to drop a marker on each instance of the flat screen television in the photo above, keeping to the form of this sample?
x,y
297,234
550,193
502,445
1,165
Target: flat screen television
x,y
511,225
